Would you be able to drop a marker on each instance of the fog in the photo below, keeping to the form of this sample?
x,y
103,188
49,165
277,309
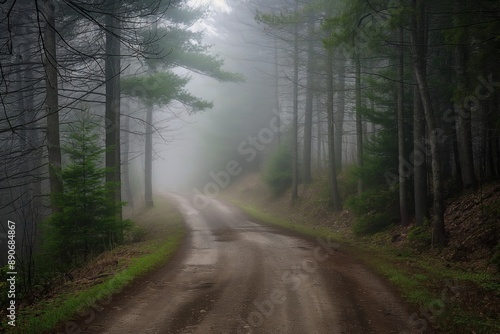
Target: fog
x,y
240,109
370,123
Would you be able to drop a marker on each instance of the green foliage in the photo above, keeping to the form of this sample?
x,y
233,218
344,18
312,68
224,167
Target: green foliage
x,y
348,182
179,47
154,253
134,232
276,20
87,221
420,237
175,45
377,200
278,173
375,210
371,223
161,89
380,157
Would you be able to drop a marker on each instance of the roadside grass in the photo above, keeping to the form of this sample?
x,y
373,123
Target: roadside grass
x,y
276,221
439,293
164,233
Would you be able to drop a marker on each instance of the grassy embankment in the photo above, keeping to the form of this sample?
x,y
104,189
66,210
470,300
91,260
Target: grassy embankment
x,y
161,229
444,297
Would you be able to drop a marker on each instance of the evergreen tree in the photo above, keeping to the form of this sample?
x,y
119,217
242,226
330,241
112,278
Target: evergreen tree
x,y
175,46
87,222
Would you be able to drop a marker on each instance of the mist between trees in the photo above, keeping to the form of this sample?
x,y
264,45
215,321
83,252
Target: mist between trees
x,y
358,89
393,101
80,83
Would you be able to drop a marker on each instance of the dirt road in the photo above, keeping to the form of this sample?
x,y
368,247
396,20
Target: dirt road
x,y
236,276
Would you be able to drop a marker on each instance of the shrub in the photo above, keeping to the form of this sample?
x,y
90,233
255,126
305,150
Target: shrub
x,y
87,222
348,182
375,209
278,172
371,223
420,237
134,232
379,200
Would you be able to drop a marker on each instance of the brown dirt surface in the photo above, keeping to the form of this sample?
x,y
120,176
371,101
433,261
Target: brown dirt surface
x,y
472,222
234,275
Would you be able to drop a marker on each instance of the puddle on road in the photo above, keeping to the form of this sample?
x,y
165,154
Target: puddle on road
x,y
202,257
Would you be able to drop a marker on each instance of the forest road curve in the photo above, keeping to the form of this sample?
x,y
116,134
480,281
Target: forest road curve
x,y
236,276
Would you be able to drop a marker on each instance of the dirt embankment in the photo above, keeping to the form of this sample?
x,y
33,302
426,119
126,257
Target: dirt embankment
x,y
472,220
471,257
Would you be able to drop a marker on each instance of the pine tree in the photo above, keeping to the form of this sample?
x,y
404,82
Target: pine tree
x,y
174,46
87,221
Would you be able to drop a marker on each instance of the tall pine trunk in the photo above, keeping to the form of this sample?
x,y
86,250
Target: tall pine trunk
x,y
463,120
339,115
419,159
308,116
295,121
52,103
419,149
148,159
112,113
319,134
126,163
359,122
332,173
277,90
403,209
438,236
332,165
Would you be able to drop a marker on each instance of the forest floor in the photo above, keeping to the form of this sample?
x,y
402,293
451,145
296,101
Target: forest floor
x,y
70,302
452,289
234,274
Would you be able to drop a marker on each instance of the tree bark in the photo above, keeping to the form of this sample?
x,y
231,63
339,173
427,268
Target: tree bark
x,y
339,115
359,122
319,134
334,190
419,159
456,157
438,236
126,163
403,209
276,90
306,157
420,178
295,121
148,163
52,104
463,120
112,113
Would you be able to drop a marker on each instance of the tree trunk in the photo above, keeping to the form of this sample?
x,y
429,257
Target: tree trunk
x,y
319,134
126,163
112,114
306,157
403,209
148,159
456,157
359,122
52,104
276,90
335,195
295,122
339,115
463,120
438,237
419,149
